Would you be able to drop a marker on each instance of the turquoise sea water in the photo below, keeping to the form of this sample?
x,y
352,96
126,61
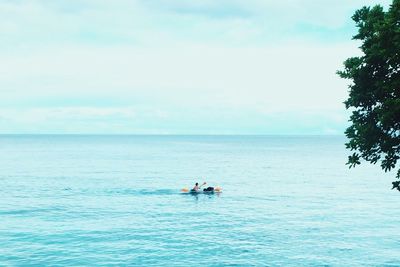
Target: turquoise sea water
x,y
115,201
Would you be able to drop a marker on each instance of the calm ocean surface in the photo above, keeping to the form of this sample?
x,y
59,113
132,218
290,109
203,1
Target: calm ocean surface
x,y
115,201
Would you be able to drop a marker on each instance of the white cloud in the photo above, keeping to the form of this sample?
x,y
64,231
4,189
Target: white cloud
x,y
145,22
173,60
39,115
270,78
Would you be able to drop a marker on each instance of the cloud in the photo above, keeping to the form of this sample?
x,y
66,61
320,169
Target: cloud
x,y
234,66
278,78
148,22
208,89
127,120
37,115
66,119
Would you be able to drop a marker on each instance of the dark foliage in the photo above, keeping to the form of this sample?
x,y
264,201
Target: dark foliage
x,y
374,97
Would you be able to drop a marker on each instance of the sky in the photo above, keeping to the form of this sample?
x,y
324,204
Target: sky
x,y
175,66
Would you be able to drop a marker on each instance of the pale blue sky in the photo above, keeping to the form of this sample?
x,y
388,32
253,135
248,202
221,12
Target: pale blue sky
x,y
175,66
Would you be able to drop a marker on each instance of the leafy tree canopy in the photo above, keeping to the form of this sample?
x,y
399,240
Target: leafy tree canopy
x,y
374,96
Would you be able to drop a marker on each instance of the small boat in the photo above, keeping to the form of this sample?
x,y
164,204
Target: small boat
x,y
204,191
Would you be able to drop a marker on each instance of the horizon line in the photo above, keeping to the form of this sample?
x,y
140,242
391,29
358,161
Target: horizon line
x,y
150,134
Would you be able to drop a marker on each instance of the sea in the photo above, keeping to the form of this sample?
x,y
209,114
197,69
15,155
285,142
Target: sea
x,y
116,200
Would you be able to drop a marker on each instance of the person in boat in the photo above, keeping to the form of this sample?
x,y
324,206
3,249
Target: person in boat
x,y
197,187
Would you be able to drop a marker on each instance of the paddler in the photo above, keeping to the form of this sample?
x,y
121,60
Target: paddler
x,y
197,187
